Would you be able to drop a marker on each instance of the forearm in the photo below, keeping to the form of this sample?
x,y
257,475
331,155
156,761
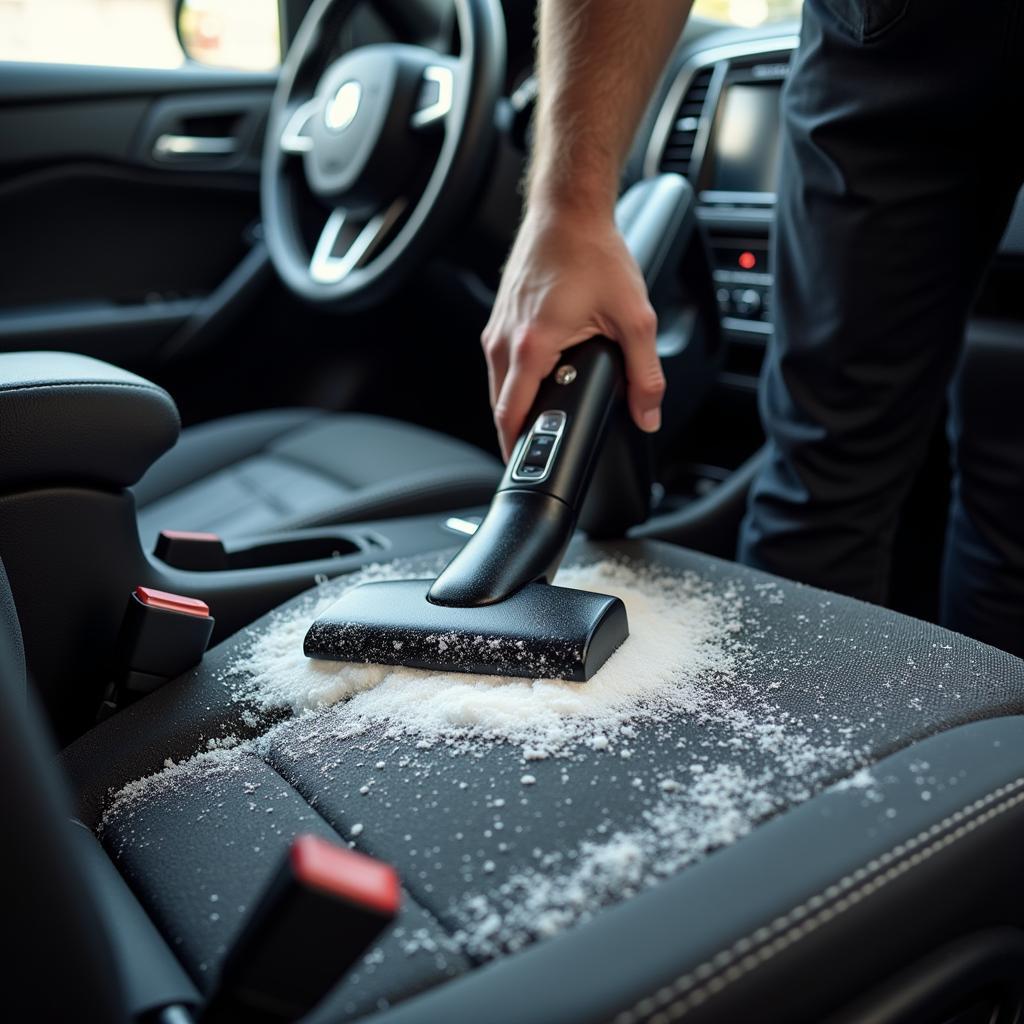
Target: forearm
x,y
569,275
598,62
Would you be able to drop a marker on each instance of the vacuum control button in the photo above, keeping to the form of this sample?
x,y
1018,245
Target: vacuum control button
x,y
538,453
550,422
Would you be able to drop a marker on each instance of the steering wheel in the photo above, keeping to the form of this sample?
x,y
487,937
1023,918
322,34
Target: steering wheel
x,y
383,147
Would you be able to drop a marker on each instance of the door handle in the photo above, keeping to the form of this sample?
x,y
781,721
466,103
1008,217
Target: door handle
x,y
176,147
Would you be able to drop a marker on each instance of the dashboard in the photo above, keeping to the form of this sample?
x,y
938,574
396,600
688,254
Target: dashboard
x,y
717,122
718,125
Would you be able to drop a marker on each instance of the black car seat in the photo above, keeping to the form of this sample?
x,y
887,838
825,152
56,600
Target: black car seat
x,y
251,473
291,468
889,883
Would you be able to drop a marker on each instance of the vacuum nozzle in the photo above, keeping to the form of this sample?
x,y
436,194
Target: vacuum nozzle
x,y
493,610
541,631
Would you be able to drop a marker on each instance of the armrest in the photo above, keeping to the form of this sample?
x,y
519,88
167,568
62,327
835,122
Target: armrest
x,y
66,418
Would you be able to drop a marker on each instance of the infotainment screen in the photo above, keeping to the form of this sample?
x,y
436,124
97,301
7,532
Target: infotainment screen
x,y
745,146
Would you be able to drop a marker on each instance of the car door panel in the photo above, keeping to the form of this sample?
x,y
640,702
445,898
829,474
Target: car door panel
x,y
113,241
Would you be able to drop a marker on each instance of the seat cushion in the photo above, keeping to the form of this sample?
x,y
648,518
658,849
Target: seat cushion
x,y
823,762
291,468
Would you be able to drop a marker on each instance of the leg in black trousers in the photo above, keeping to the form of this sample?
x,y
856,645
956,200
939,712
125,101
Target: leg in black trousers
x,y
898,172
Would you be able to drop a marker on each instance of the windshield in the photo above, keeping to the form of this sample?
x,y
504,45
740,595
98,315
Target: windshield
x,y
747,13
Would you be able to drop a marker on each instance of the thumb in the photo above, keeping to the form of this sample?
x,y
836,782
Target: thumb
x,y
646,382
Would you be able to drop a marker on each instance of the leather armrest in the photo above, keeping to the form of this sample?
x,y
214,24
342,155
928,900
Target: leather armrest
x,y
69,419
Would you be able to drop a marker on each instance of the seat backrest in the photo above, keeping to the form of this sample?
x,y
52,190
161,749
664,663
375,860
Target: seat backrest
x,y
62,966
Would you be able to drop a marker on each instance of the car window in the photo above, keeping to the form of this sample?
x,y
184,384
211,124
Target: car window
x,y
748,13
242,34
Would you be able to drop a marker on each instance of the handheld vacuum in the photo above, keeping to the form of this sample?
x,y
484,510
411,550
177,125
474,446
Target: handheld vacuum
x,y
493,610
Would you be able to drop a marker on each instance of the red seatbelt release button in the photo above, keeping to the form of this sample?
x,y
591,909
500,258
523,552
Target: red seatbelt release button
x,y
172,602
345,874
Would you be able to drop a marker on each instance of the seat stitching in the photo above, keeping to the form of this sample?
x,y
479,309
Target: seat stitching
x,y
332,476
730,965
391,495
234,461
380,504
256,489
457,467
58,385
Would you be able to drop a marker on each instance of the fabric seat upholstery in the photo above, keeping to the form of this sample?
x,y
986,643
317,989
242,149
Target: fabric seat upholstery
x,y
930,759
293,468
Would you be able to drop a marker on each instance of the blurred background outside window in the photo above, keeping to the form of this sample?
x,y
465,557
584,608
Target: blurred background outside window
x,y
748,13
240,34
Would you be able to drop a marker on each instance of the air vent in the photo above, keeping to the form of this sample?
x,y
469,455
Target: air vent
x,y
679,146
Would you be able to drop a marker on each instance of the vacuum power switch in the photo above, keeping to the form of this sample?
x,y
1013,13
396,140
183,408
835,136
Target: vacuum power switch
x,y
541,444
550,422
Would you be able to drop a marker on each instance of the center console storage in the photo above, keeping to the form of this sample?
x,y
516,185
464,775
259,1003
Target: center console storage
x,y
207,552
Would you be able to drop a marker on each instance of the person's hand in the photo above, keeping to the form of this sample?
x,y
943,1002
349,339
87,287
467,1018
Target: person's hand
x,y
569,276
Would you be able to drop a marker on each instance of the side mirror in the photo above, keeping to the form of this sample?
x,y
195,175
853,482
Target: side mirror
x,y
244,35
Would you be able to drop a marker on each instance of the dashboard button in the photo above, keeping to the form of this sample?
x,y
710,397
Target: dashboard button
x,y
747,301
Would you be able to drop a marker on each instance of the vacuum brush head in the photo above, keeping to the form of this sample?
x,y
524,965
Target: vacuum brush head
x,y
540,631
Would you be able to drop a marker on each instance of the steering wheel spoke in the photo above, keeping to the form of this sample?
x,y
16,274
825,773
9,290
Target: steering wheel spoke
x,y
348,131
349,240
295,139
436,95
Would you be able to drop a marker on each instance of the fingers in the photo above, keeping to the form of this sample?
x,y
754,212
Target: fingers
x,y
495,348
639,340
514,373
532,358
559,288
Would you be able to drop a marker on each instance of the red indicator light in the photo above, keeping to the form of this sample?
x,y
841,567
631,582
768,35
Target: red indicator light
x,y
747,260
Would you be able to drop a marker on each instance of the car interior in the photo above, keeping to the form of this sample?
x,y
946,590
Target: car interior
x,y
240,364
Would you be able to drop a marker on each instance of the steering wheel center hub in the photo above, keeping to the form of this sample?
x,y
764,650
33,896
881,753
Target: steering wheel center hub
x,y
363,128
341,111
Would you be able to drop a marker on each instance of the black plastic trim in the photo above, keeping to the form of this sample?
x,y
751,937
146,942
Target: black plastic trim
x,y
25,82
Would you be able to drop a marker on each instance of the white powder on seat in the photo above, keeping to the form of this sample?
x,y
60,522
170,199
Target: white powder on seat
x,y
683,635
569,887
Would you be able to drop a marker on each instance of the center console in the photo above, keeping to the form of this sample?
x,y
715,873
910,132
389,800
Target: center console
x,y
719,126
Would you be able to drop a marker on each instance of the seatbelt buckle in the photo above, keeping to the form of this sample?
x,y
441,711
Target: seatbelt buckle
x,y
162,635
316,919
192,551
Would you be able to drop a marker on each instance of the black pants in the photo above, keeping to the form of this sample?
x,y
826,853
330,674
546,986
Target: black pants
x,y
901,160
